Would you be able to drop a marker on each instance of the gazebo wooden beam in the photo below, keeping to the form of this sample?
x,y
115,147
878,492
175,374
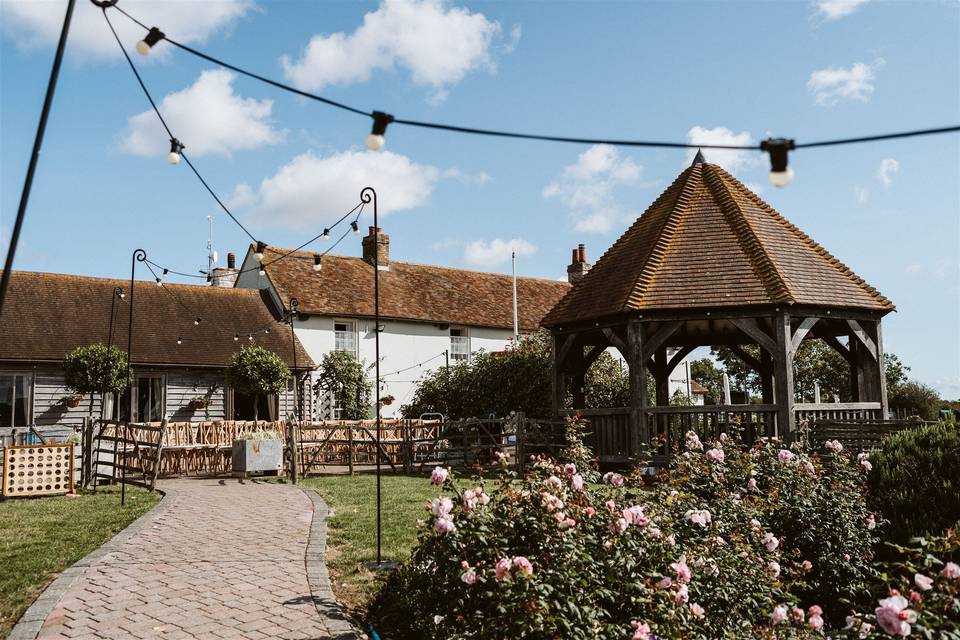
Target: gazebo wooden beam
x,y
750,327
802,332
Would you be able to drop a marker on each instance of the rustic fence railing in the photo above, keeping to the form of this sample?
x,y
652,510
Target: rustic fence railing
x,y
129,451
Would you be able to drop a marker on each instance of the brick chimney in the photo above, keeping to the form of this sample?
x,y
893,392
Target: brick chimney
x,y
225,277
578,265
377,240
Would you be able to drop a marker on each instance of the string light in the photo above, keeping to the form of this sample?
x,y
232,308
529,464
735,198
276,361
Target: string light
x,y
376,141
179,340
176,147
152,38
159,282
355,227
263,271
236,337
326,234
317,264
780,173
258,252
196,322
250,337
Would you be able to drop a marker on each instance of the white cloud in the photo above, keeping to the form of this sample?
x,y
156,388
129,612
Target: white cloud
x,y
835,84
732,160
437,43
36,25
497,251
836,9
948,386
888,167
207,117
586,188
480,178
862,194
311,191
914,269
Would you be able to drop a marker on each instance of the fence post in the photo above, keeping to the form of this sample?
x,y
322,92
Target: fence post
x,y
85,440
350,447
292,447
521,435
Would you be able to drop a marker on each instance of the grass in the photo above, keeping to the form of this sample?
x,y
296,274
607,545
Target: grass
x,y
352,534
40,537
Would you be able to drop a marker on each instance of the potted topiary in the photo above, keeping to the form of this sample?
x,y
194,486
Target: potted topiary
x,y
257,452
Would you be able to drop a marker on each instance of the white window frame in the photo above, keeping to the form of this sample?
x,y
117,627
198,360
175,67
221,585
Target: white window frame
x,y
460,354
29,382
351,331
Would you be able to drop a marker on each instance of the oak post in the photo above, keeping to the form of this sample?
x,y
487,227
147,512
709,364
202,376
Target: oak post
x,y
783,376
638,386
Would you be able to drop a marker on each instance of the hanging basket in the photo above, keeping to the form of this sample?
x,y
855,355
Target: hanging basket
x,y
72,401
198,403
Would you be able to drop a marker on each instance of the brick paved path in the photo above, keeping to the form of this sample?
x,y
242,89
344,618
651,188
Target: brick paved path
x,y
219,561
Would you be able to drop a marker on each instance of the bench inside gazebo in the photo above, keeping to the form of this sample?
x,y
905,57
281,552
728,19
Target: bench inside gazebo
x,y
710,263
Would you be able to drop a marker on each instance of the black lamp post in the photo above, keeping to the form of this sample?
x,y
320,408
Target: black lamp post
x,y
294,305
368,195
138,256
117,294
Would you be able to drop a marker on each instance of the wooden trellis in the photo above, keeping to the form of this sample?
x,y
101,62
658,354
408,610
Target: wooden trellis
x,y
37,470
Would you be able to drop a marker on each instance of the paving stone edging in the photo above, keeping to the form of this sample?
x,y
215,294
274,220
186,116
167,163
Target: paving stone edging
x,y
29,624
340,626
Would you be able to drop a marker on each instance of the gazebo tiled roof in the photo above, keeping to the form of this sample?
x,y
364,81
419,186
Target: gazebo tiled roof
x,y
709,242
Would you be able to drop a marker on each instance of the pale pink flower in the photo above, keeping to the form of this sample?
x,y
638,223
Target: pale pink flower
x,y
871,522
779,615
569,523
846,557
441,506
785,455
665,583
523,566
681,569
773,569
701,517
654,531
951,571
618,526
797,614
589,511
925,583
682,594
715,455
570,469
815,620
634,515
808,467
503,458
693,441
502,569
770,541
833,445
444,524
697,610
576,482
670,540
752,484
894,616
553,482
613,479
611,505
807,565
641,630
469,576
915,597
439,475
867,466
815,610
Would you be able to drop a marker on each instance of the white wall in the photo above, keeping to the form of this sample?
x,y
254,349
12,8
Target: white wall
x,y
402,345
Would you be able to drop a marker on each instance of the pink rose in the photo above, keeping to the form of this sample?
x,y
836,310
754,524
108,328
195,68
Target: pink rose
x,y
589,511
681,569
867,466
925,583
439,475
951,571
570,469
468,577
502,569
441,506
641,630
611,505
523,566
815,621
697,610
752,484
444,524
785,455
807,565
613,479
797,614
576,482
771,542
915,597
693,441
618,526
773,570
779,615
894,617
682,594
634,515
715,455
665,583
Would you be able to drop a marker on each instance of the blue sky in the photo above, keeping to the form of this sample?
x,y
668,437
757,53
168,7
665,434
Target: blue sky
x,y
706,71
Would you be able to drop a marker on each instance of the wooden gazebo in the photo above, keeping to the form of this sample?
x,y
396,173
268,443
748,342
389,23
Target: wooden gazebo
x,y
710,263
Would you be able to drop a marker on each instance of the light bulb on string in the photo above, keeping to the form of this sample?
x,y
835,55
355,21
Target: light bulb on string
x,y
355,227
159,282
149,41
179,340
376,141
236,337
258,252
780,174
196,322
267,330
250,337
317,264
175,148
263,271
326,234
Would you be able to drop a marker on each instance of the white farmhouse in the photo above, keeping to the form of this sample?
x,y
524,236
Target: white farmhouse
x,y
428,313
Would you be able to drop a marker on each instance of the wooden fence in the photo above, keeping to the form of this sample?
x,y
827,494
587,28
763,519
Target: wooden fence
x,y
857,436
129,451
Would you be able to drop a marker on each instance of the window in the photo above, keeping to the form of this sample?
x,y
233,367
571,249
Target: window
x,y
459,345
344,337
150,399
15,400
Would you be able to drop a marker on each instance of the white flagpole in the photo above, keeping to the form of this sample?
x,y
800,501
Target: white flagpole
x,y
516,321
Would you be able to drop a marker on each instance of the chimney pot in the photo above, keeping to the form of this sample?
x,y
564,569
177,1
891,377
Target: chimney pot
x,y
578,265
231,260
377,242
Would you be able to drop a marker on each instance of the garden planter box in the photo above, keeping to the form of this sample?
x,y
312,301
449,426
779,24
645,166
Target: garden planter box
x,y
257,456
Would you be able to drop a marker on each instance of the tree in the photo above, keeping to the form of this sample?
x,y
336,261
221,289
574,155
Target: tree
x,y
94,369
343,376
254,370
710,377
917,397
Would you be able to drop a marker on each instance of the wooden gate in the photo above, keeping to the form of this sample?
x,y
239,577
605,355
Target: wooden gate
x,y
129,451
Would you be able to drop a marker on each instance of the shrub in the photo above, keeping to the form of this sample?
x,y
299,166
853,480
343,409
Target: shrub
x,y
254,370
916,397
915,481
341,374
705,553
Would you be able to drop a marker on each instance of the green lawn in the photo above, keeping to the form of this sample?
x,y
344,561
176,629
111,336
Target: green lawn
x,y
40,537
352,535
